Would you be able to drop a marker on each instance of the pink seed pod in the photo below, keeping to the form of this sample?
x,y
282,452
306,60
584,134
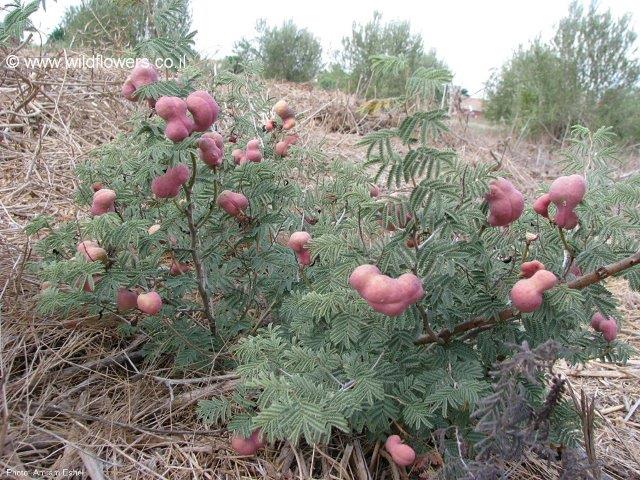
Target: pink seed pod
x,y
91,251
606,325
390,296
596,320
168,185
282,147
126,300
374,191
149,303
239,157
283,110
211,149
144,73
203,108
248,445
233,203
401,454
103,202
269,125
541,205
298,242
566,193
253,152
609,329
505,203
527,269
526,295
173,111
289,123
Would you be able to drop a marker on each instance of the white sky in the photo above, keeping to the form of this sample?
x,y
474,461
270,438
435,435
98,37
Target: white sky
x,y
472,36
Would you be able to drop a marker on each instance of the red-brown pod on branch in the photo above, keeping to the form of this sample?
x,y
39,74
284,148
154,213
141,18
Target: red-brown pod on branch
x,y
211,149
168,185
149,303
391,296
126,300
233,203
103,202
298,242
566,193
505,203
203,108
173,111
526,294
144,73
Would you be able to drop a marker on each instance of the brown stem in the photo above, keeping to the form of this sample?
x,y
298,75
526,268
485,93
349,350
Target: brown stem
x,y
579,283
425,322
201,277
604,272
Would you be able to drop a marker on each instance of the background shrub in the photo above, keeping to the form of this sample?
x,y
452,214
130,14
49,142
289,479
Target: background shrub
x,y
586,74
121,24
285,52
376,38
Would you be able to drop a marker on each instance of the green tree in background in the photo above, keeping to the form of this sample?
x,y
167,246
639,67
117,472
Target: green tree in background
x,y
376,38
531,91
285,52
121,24
588,73
597,50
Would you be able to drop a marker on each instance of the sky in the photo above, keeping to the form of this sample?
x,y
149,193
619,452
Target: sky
x,y
473,37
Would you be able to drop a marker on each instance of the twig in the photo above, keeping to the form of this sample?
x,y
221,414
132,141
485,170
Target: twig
x,y
425,323
577,284
201,277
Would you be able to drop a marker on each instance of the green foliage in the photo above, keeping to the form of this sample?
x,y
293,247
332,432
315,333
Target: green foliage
x,y
598,50
153,28
285,53
330,357
16,21
334,77
313,357
375,40
587,74
244,266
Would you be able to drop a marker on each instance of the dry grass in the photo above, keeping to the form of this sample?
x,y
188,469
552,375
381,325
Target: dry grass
x,y
84,399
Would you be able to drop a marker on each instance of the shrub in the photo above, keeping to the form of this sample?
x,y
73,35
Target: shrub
x,y
583,75
376,38
153,28
335,78
407,344
532,92
285,53
151,235
331,362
